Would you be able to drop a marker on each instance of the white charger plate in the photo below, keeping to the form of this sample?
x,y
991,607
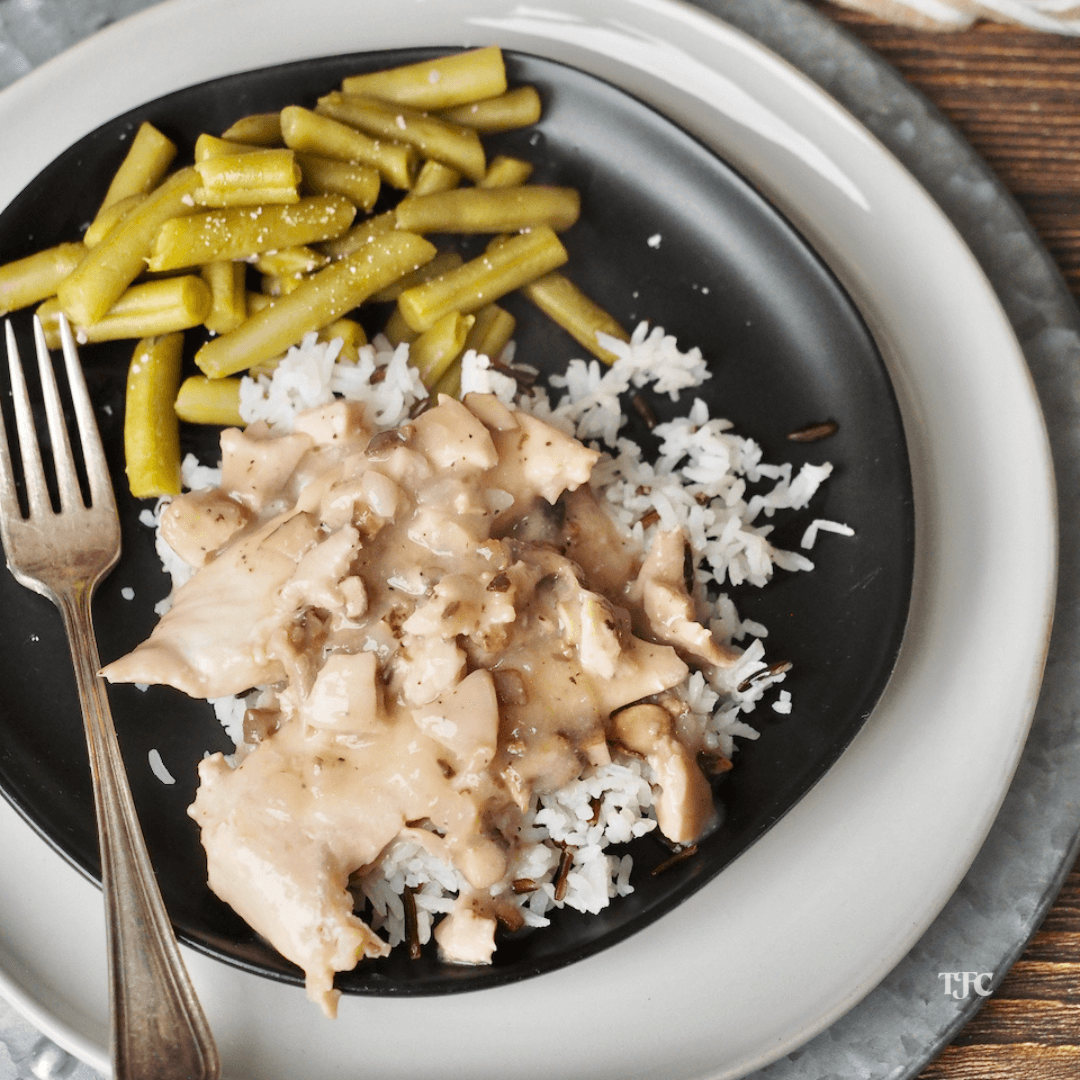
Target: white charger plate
x,y
806,922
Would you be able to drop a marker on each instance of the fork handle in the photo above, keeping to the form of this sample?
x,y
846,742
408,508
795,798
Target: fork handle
x,y
159,1031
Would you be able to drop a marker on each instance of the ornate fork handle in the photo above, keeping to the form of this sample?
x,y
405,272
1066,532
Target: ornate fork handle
x,y
159,1031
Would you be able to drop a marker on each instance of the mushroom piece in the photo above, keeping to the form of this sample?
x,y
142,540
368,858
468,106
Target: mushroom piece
x,y
668,608
684,805
199,523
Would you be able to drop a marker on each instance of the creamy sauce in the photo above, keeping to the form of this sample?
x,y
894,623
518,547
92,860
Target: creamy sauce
x,y
448,624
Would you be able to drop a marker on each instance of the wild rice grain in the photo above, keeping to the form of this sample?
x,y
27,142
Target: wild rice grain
x,y
673,860
815,432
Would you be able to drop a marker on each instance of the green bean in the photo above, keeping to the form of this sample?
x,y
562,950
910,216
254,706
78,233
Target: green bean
x,y
438,347
257,301
147,310
490,334
504,267
209,401
315,133
108,217
259,129
506,171
113,264
281,284
326,176
151,426
436,84
360,234
240,232
320,299
397,330
516,108
291,262
490,210
492,331
228,308
453,145
37,277
445,260
210,146
249,179
351,335
561,300
146,163
449,382
434,176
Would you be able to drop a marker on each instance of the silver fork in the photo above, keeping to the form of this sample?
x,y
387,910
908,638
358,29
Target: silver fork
x,y
158,1030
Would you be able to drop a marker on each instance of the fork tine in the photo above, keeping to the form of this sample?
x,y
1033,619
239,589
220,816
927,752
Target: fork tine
x,y
97,469
67,481
37,494
9,500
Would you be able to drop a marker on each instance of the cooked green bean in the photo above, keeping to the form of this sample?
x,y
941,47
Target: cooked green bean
x,y
240,232
147,310
449,382
398,330
506,171
291,262
490,210
259,129
561,300
350,333
249,179
445,260
151,426
516,108
490,334
360,234
37,277
321,299
257,301
315,133
326,176
112,265
453,145
492,331
209,401
228,308
504,267
210,146
436,84
108,217
281,284
434,176
438,347
146,162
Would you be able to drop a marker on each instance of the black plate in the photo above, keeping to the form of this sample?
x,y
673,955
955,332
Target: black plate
x,y
787,347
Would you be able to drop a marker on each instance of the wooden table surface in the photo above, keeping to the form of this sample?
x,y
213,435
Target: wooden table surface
x,y
1015,96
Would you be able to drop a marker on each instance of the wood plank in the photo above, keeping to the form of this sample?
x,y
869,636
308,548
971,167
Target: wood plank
x,y
1048,979
1021,1062
1004,1022
1062,946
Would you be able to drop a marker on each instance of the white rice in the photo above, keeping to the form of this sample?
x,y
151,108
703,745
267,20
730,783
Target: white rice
x,y
157,767
700,481
309,376
822,525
